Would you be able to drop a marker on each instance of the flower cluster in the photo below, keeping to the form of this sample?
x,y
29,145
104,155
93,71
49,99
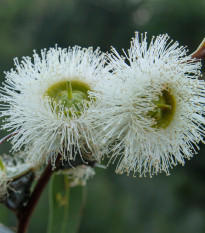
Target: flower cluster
x,y
144,109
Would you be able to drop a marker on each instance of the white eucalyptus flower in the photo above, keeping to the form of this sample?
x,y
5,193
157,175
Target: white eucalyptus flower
x,y
151,112
4,181
78,175
45,99
11,168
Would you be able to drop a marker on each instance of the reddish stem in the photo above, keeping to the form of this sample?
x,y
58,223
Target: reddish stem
x,y
24,214
200,52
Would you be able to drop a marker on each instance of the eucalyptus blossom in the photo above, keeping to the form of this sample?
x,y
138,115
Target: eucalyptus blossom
x,y
151,112
46,100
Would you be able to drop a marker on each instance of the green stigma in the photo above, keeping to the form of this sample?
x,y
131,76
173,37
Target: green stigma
x,y
69,94
164,111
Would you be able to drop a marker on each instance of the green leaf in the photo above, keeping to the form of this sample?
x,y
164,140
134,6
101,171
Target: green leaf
x,y
65,205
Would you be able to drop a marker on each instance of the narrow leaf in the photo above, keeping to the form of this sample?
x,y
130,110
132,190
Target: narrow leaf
x,y
65,206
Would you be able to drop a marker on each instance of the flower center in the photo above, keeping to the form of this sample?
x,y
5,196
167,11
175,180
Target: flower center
x,y
69,94
164,110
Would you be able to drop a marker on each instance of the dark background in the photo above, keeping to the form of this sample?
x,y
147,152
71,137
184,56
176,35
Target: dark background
x,y
115,204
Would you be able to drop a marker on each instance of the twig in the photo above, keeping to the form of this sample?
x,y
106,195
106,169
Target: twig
x,y
24,214
200,52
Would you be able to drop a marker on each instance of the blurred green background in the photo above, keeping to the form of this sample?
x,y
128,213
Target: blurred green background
x,y
115,203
